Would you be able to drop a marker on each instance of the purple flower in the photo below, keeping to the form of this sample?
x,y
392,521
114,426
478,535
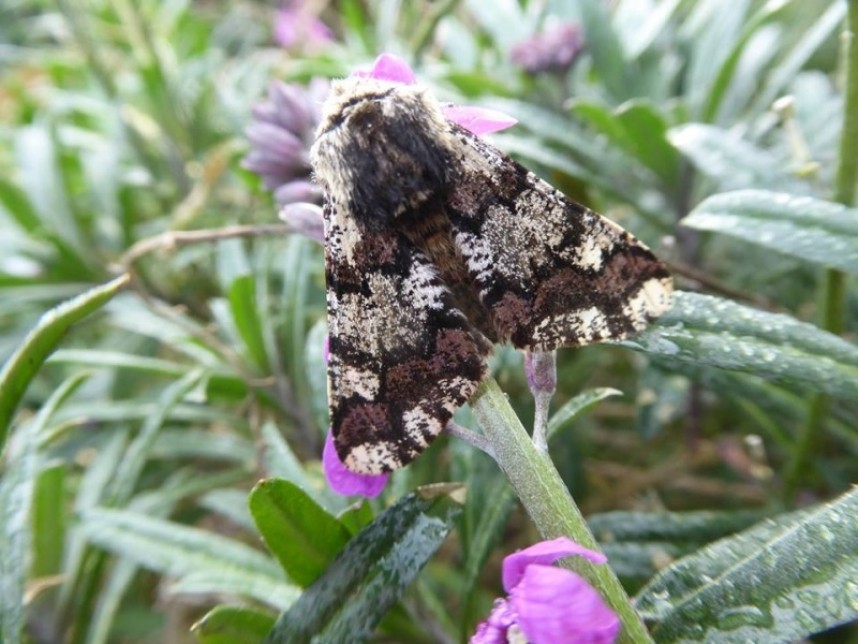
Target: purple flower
x,y
551,50
281,132
478,120
546,604
297,28
342,480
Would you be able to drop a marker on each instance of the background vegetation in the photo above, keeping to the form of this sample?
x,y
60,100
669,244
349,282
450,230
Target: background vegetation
x,y
138,419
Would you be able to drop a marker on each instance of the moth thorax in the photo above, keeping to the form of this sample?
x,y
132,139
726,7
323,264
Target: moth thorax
x,y
386,153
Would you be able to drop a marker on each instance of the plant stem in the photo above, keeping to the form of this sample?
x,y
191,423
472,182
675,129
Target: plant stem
x,y
833,293
547,500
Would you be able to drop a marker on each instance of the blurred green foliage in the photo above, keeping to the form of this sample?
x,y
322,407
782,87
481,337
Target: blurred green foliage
x,y
138,416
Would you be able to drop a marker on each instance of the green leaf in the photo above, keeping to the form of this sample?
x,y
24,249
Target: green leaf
x,y
698,527
577,406
18,488
722,82
639,544
811,229
369,576
718,28
791,63
731,161
192,554
245,313
231,624
15,202
779,581
614,69
139,450
646,130
303,537
20,369
710,331
49,521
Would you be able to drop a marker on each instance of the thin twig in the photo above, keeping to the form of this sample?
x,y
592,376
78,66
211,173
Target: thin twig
x,y
173,238
717,286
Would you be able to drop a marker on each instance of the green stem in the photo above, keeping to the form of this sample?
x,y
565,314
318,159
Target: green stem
x,y
547,500
833,293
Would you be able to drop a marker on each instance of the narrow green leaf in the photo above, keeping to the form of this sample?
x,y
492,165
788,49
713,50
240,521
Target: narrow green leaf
x,y
578,405
15,202
721,84
17,489
20,369
168,547
117,359
231,624
139,450
602,119
698,527
791,64
230,503
733,162
614,69
706,330
245,313
297,531
811,229
192,554
281,462
779,581
646,131
368,577
718,27
49,521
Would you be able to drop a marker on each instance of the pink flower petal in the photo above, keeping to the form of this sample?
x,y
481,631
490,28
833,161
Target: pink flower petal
x,y
344,481
556,605
478,120
544,552
494,629
390,68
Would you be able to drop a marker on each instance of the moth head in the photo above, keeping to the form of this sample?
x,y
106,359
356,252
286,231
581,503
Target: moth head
x,y
382,149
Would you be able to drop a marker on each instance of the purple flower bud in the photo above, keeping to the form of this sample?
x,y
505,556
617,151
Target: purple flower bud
x,y
305,219
552,50
297,191
280,133
541,371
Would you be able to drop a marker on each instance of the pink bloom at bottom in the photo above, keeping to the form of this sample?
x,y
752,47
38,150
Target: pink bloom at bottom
x,y
547,604
342,480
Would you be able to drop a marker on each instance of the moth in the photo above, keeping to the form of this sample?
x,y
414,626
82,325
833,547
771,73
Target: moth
x,y
437,246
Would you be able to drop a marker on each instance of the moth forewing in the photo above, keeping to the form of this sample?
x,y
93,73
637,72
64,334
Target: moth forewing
x,y
437,245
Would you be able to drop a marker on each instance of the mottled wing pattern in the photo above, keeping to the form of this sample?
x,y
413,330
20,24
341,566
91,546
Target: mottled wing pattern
x,y
402,358
551,272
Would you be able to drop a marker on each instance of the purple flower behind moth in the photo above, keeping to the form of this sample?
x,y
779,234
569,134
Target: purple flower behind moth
x,y
437,246
553,50
280,133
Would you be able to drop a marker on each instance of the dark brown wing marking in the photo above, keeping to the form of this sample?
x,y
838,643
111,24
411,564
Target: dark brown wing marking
x,y
402,357
551,272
